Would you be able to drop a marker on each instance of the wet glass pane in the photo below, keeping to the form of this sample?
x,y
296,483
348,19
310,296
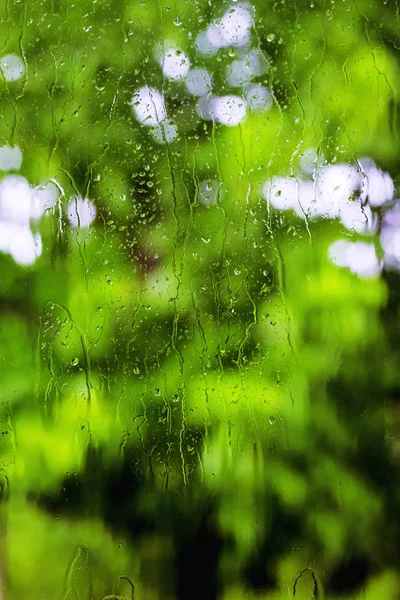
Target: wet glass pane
x,y
199,300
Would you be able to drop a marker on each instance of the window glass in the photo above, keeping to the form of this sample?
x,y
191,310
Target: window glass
x,y
199,283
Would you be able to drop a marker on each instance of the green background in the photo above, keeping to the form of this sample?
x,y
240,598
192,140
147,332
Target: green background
x,y
195,401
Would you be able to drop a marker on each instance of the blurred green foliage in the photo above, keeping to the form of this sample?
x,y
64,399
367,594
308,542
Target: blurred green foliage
x,y
196,403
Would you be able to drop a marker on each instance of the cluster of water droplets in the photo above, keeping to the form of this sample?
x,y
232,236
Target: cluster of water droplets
x,y
22,206
352,194
232,30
